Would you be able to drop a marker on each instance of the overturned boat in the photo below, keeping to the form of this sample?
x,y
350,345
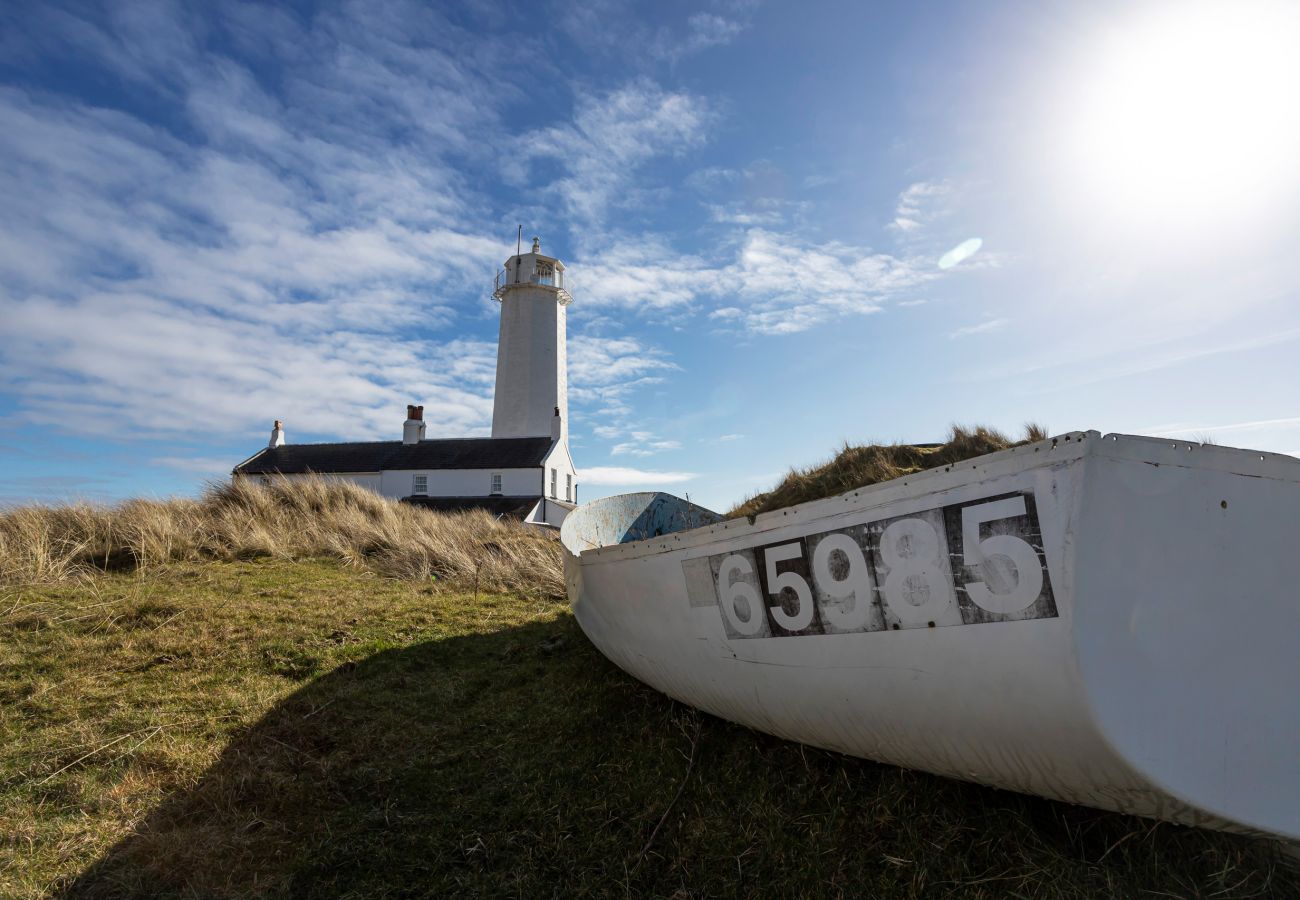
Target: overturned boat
x,y
1100,619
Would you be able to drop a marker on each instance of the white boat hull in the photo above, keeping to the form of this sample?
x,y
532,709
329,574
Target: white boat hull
x,y
1104,620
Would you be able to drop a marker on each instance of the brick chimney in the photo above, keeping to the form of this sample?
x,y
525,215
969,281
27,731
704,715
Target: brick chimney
x,y
413,428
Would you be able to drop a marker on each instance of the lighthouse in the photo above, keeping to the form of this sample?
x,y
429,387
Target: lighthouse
x,y
532,388
523,471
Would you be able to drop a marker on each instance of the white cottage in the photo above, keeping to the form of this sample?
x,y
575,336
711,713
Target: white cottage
x,y
523,471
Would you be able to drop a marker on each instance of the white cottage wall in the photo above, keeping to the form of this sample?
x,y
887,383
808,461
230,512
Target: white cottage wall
x,y
461,482
368,480
559,459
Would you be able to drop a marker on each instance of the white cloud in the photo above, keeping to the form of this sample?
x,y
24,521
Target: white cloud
x,y
982,328
1257,425
706,30
318,249
920,204
646,448
732,214
281,264
610,137
596,361
593,22
786,284
201,465
25,489
624,476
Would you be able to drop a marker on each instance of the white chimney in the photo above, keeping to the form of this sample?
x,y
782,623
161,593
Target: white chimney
x,y
277,435
413,428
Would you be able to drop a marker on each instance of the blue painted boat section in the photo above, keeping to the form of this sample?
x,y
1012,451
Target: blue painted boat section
x,y
631,517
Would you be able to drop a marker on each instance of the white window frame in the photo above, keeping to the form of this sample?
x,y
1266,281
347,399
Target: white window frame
x,y
568,487
420,485
496,483
555,478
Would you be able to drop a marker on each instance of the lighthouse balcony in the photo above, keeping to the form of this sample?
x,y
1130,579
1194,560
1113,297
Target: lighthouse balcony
x,y
542,275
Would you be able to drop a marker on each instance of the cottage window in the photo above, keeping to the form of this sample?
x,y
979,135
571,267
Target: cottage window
x,y
554,479
420,484
568,487
496,482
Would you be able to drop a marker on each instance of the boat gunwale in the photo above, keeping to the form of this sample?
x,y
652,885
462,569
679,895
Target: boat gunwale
x,y
1061,449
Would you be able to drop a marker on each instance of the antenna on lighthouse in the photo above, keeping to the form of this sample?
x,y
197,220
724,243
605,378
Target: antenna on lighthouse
x,y
519,241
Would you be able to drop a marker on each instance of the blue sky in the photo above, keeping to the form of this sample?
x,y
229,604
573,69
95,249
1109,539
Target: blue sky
x,y
219,215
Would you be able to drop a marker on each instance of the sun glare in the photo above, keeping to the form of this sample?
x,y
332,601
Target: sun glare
x,y
1184,116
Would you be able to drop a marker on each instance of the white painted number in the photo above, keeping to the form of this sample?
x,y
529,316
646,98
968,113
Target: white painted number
x,y
1014,588
733,593
792,580
916,574
916,587
855,584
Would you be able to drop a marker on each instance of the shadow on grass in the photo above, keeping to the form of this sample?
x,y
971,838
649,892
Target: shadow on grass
x,y
522,763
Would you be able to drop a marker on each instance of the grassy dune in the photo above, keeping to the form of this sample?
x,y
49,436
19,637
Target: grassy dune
x,y
285,520
856,466
319,693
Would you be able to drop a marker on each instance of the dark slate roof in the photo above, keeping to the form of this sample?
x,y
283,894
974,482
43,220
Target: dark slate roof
x,y
509,507
379,456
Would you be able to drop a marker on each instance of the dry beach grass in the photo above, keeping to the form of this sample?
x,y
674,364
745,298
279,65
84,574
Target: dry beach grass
x,y
286,520
299,692
856,466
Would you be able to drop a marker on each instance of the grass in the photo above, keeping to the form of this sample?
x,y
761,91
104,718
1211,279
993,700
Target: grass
x,y
305,727
853,467
296,519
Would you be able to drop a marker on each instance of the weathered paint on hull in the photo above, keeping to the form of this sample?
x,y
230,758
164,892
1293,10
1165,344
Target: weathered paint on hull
x,y
1104,620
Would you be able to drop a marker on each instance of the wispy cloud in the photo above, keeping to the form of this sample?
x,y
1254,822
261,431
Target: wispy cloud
x,y
643,444
610,137
920,204
298,216
590,24
25,489
262,261
1256,425
773,283
201,465
986,327
703,30
623,476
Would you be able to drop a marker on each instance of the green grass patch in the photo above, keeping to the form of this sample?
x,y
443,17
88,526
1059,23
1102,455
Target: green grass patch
x,y
276,728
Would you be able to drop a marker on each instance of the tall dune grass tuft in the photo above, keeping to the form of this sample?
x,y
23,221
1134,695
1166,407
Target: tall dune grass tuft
x,y
289,519
855,467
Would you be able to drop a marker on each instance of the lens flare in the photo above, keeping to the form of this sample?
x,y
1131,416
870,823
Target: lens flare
x,y
962,252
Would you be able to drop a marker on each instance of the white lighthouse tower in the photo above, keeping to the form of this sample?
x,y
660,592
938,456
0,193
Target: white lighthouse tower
x,y
532,392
